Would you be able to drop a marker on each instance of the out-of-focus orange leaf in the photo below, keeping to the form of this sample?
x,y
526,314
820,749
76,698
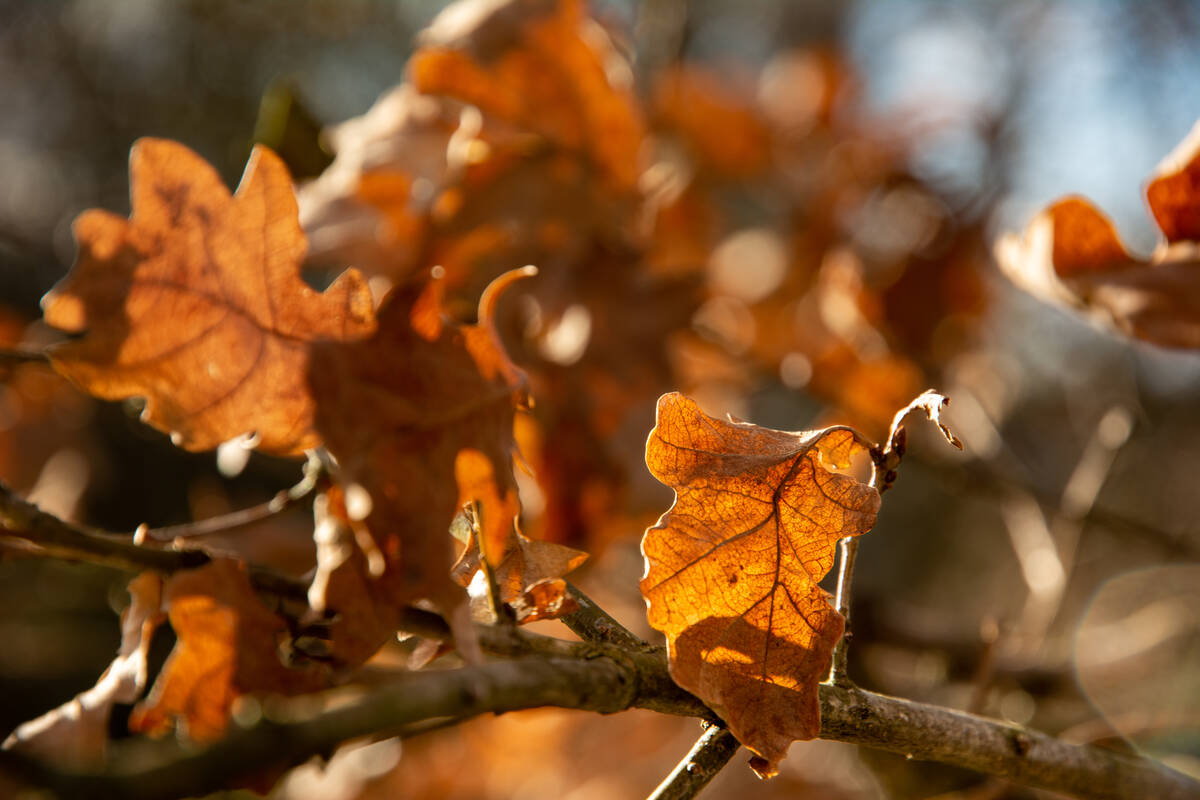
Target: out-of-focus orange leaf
x,y
229,644
543,66
76,733
421,417
196,303
1071,255
1174,192
724,132
365,209
732,568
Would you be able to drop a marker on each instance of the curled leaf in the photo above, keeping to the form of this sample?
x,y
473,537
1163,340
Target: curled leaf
x,y
932,404
541,66
529,576
228,644
421,417
1071,255
732,569
76,733
196,303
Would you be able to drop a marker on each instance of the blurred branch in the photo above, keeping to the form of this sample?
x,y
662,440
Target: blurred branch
x,y
13,357
315,479
608,679
24,526
28,529
981,479
711,753
596,675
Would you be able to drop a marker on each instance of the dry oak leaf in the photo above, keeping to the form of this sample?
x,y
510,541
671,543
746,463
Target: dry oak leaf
x,y
196,303
76,733
732,568
529,576
1071,255
721,128
421,417
542,66
228,644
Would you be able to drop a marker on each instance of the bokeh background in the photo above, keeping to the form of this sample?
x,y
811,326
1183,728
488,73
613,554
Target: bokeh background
x,y
1048,575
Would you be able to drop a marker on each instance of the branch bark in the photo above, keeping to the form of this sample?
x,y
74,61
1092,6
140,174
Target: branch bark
x,y
612,672
708,756
608,679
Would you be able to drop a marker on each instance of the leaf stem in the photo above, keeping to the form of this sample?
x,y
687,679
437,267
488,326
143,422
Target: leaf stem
x,y
708,756
847,553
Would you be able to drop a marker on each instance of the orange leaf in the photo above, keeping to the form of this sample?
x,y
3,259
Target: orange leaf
x,y
545,599
421,417
732,568
1071,255
543,67
196,303
229,644
723,130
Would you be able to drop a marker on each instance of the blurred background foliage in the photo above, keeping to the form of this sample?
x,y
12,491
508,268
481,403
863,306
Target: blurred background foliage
x,y
829,268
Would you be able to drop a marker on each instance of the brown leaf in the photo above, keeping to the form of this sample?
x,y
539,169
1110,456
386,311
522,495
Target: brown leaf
x,y
724,132
1071,255
229,644
547,599
362,210
421,417
76,733
529,576
542,66
732,568
196,303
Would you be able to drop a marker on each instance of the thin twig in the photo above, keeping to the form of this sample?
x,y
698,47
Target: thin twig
x,y
25,527
315,479
500,611
885,461
712,751
847,553
611,682
9,358
593,624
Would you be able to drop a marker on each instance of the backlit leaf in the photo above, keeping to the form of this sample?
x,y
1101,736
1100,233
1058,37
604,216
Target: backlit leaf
x,y
196,303
732,569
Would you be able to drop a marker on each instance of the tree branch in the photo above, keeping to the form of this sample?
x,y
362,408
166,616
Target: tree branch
x,y
607,674
708,756
25,527
315,479
10,359
607,679
593,624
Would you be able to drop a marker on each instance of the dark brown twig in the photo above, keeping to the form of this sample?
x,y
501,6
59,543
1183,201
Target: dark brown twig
x,y
25,527
712,751
593,624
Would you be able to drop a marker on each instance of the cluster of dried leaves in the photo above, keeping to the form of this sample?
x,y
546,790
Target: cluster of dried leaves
x,y
519,138
1071,255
